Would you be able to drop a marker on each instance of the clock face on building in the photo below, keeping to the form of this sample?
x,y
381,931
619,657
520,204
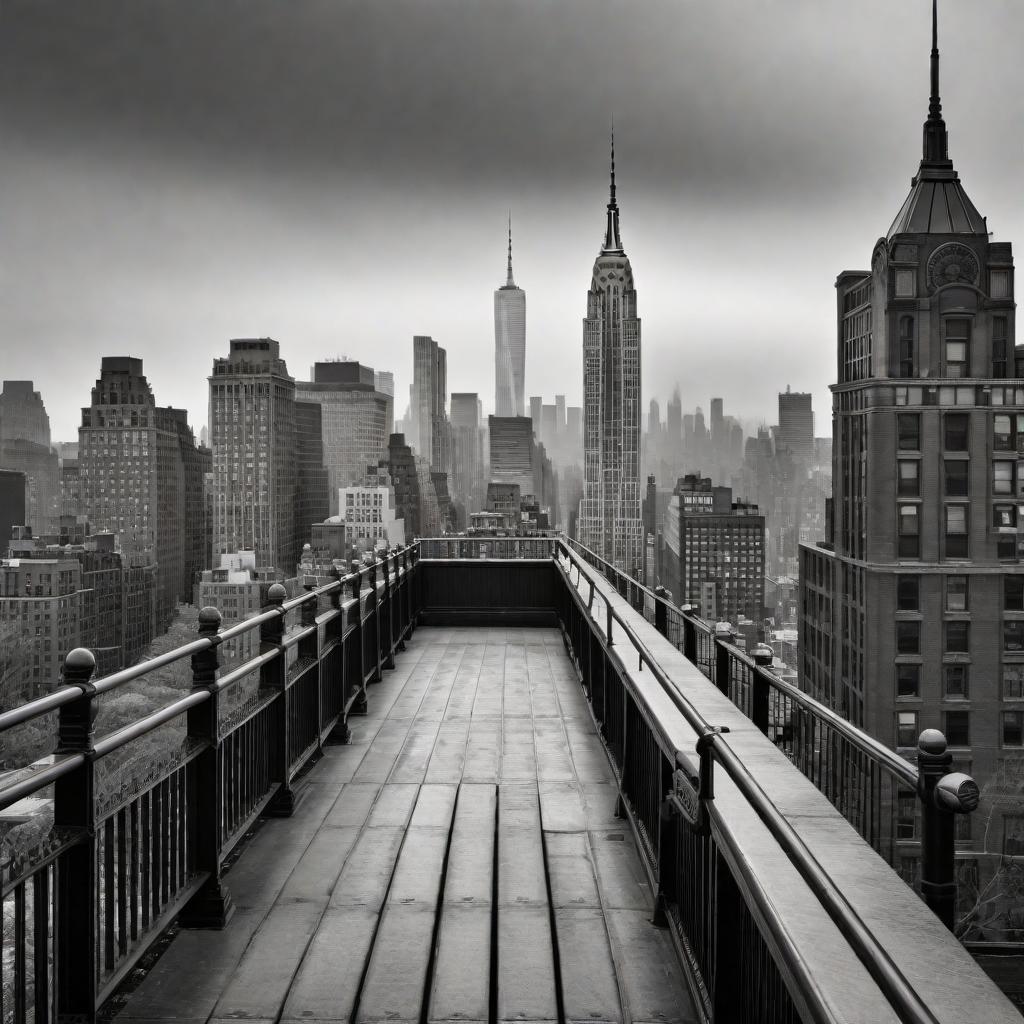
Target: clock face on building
x,y
951,263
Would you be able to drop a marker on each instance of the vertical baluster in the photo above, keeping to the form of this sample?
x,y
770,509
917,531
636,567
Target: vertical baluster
x,y
373,610
211,906
386,627
40,945
108,893
74,809
20,943
274,677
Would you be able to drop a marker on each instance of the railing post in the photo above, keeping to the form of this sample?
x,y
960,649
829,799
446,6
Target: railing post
x,y
763,656
274,676
373,608
661,611
74,812
211,907
309,650
689,634
341,733
402,586
359,705
723,636
416,587
938,869
389,615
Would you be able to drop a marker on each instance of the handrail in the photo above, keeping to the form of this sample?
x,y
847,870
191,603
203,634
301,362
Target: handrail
x,y
864,943
862,740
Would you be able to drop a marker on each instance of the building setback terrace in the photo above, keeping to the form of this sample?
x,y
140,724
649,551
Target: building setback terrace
x,y
476,786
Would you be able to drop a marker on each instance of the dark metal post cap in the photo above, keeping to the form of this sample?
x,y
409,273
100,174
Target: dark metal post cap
x,y
80,662
276,594
210,617
931,741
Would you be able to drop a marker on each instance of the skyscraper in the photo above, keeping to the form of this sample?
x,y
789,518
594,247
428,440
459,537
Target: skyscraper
x,y
912,612
509,343
355,421
610,522
432,439
252,429
131,456
25,448
796,424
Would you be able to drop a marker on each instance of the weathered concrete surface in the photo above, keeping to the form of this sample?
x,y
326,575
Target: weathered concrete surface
x,y
460,860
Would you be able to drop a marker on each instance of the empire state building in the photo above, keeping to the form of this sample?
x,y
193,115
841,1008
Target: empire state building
x,y
609,522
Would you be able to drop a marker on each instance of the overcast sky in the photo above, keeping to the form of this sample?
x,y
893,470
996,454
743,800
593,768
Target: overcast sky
x,y
175,173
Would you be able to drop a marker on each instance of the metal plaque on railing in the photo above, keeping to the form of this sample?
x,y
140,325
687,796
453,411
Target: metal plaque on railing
x,y
685,797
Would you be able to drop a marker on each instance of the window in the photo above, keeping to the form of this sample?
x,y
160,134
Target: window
x,y
1002,433
906,729
958,337
956,478
955,431
957,637
955,682
956,531
956,593
958,728
1013,635
908,680
1013,681
999,348
1013,593
909,541
998,285
906,814
1002,477
909,485
908,430
1006,549
908,637
905,288
1013,728
1004,516
908,593
1013,835
906,344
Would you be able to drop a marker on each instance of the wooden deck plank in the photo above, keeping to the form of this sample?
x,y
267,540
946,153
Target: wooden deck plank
x,y
397,973
411,763
471,854
589,989
364,880
649,974
571,870
462,979
526,972
326,985
620,872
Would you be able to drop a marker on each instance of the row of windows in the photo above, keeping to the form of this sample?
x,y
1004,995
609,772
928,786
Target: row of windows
x,y
956,347
955,681
957,728
956,588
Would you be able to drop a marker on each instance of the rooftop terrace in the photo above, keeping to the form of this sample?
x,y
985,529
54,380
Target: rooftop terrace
x,y
497,782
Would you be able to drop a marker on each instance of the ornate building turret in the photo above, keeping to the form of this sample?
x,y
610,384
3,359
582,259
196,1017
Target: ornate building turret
x,y
917,619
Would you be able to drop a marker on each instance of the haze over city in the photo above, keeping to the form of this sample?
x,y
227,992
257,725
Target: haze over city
x,y
337,176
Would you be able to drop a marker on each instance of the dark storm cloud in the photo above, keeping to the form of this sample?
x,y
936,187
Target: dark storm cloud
x,y
337,174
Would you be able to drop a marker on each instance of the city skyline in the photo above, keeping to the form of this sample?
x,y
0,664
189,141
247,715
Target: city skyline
x,y
158,215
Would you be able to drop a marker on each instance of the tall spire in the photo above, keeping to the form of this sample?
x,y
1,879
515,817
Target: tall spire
x,y
612,242
510,283
936,140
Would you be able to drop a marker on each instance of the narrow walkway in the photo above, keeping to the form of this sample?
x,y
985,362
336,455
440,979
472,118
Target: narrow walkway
x,y
458,861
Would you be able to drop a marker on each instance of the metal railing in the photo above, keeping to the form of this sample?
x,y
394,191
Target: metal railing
x,y
120,863
725,920
886,798
487,547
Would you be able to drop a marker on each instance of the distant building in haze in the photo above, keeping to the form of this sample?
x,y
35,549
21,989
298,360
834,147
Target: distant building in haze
x,y
509,344
355,423
796,425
